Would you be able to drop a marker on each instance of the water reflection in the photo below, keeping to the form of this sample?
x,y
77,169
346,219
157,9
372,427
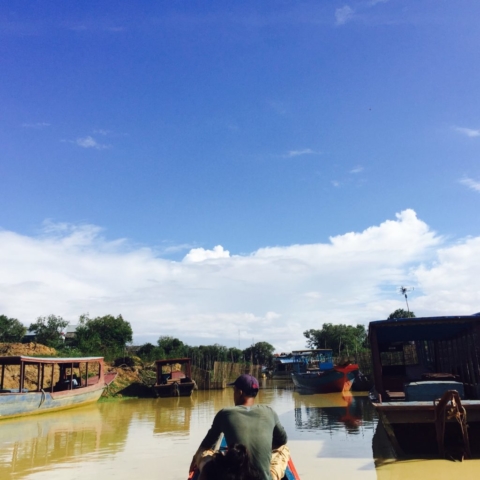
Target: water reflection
x,y
329,411
172,415
152,439
39,441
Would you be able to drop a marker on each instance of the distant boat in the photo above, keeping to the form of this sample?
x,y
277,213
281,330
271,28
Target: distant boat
x,y
427,382
174,378
320,375
48,384
287,363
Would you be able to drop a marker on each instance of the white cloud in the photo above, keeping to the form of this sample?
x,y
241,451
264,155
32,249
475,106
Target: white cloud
x,y
305,151
200,254
470,183
335,183
272,294
469,132
343,15
90,142
357,169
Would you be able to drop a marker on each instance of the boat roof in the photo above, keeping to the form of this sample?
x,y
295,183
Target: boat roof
x,y
317,350
286,360
16,360
169,361
421,328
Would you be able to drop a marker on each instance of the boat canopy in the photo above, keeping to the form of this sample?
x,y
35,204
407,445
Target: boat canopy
x,y
426,328
170,361
17,360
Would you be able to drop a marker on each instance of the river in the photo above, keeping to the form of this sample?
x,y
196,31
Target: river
x,y
329,436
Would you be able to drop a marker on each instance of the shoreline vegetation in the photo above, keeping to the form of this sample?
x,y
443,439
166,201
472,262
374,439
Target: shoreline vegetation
x,y
213,366
135,376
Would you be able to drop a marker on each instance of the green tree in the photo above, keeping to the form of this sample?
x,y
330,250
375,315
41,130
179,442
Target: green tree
x,y
342,339
205,356
401,313
173,347
260,354
11,330
49,330
149,352
107,335
235,355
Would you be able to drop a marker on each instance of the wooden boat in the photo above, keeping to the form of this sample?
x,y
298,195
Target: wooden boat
x,y
290,474
427,381
320,375
48,384
174,378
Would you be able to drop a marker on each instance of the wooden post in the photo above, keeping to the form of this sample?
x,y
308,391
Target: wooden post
x,y
38,377
53,368
3,375
376,362
470,347
461,358
22,376
86,374
43,376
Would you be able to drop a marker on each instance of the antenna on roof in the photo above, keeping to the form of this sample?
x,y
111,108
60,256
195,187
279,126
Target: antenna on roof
x,y
403,290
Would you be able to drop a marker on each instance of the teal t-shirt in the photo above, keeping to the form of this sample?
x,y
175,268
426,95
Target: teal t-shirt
x,y
256,427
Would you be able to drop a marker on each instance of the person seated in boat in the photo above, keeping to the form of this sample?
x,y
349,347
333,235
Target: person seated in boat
x,y
233,464
257,427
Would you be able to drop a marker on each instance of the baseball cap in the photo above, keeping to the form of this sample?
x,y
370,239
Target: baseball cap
x,y
247,383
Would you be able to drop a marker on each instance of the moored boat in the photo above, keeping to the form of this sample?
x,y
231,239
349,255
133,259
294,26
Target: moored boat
x,y
427,382
174,378
31,385
287,363
320,375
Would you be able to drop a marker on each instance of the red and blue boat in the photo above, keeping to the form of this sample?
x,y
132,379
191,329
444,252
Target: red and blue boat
x,y
318,374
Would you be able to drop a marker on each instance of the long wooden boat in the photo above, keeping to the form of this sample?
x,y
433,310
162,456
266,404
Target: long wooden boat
x,y
427,382
290,473
320,375
174,378
49,384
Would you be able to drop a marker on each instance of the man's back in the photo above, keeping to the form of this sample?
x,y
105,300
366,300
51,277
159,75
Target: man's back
x,y
257,427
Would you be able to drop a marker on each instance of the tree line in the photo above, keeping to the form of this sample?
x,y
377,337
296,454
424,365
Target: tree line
x,y
108,336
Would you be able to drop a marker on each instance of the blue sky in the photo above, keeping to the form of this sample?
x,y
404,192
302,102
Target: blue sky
x,y
161,130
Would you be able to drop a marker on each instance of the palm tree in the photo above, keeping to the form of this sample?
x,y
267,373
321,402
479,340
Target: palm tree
x,y
403,290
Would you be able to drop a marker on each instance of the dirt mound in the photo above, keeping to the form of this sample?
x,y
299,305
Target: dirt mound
x,y
29,349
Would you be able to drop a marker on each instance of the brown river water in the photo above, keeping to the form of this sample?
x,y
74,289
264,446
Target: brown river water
x,y
329,436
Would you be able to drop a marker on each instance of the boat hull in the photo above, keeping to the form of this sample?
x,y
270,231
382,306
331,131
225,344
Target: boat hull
x,y
338,379
411,428
32,403
174,389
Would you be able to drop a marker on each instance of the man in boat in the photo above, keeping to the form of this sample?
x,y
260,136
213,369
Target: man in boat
x,y
255,426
